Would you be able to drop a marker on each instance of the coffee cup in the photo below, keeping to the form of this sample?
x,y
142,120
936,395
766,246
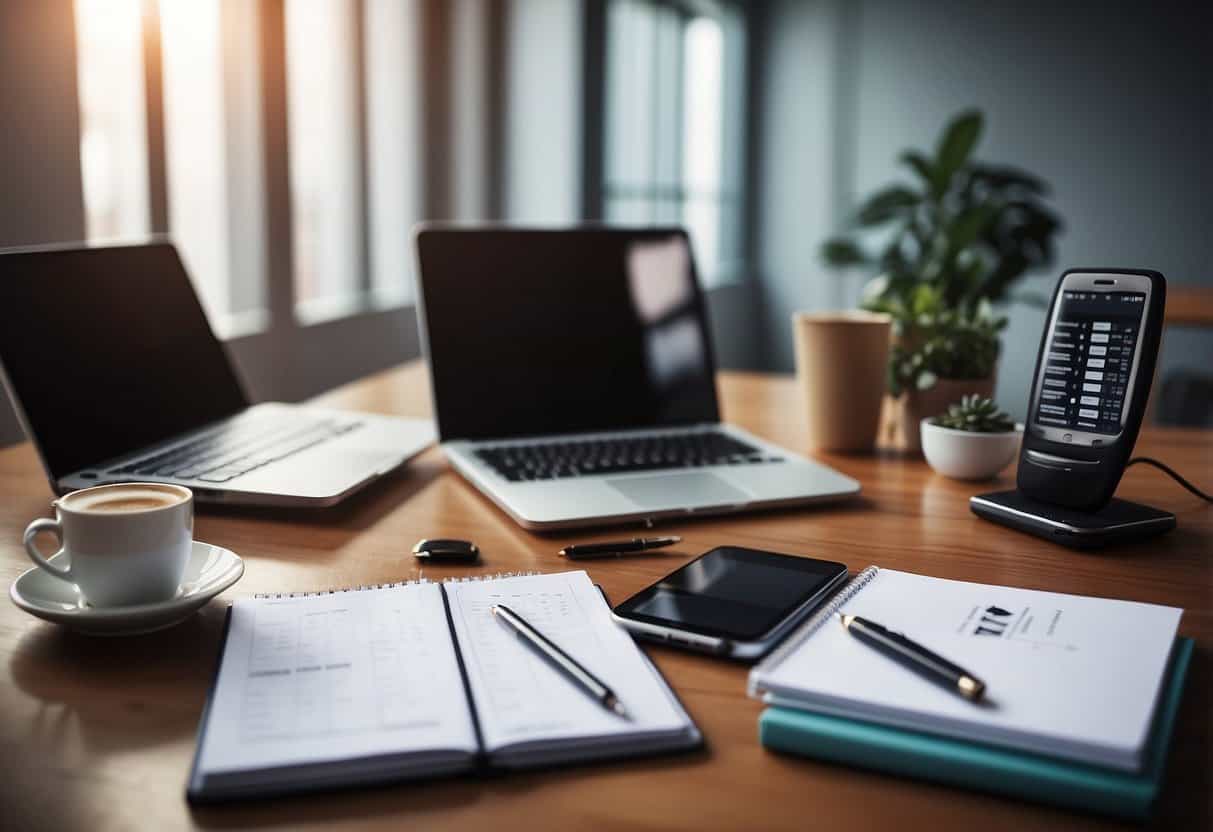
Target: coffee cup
x,y
841,360
125,544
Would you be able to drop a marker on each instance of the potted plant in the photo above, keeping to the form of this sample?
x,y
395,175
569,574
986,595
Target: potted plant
x,y
951,243
972,440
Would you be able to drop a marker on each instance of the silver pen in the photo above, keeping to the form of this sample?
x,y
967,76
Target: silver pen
x,y
560,660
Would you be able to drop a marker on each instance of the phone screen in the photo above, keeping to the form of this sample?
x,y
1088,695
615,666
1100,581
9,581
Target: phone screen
x,y
733,593
1088,363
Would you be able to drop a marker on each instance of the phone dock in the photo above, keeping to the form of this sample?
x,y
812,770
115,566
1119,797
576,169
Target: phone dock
x,y
1119,521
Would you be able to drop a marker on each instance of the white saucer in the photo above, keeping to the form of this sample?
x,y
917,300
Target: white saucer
x,y
211,570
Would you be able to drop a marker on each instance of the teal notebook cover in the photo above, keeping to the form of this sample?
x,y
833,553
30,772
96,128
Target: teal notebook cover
x,y
984,767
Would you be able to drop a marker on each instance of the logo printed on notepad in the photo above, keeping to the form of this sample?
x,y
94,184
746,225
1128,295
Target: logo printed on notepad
x,y
993,622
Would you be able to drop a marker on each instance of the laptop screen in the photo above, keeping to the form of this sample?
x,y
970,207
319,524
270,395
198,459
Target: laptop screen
x,y
108,350
543,332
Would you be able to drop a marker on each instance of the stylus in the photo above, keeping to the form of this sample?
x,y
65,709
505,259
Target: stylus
x,y
618,547
915,657
560,660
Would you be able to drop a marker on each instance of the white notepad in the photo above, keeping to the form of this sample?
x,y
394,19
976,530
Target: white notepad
x,y
1067,675
360,686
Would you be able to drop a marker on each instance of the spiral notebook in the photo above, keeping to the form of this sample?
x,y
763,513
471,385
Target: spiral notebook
x,y
1068,676
414,680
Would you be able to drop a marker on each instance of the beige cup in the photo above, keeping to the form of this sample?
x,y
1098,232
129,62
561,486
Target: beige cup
x,y
841,360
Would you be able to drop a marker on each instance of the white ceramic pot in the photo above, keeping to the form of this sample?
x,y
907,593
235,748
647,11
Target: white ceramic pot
x,y
965,455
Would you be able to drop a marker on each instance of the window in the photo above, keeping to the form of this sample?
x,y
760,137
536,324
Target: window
x,y
703,128
288,148
352,201
352,248
265,135
673,145
394,137
325,155
113,122
194,129
213,169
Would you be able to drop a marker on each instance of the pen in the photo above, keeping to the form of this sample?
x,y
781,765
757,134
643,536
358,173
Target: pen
x,y
618,547
915,657
560,660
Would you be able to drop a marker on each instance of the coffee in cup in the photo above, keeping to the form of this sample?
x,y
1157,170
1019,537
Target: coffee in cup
x,y
127,543
125,501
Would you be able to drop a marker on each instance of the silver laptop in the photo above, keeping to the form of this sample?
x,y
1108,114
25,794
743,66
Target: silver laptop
x,y
574,385
116,376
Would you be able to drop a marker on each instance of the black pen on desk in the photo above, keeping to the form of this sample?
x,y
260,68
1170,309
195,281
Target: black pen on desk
x,y
619,547
914,656
560,660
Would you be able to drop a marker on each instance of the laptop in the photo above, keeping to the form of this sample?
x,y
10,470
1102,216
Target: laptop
x,y
574,382
116,376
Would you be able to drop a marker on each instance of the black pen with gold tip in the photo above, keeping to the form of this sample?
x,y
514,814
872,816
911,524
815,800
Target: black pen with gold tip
x,y
616,548
560,660
914,656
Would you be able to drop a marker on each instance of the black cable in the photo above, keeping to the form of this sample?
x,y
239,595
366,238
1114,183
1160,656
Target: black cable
x,y
1166,469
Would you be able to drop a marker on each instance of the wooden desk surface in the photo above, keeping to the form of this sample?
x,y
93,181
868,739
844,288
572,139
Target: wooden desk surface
x,y
98,733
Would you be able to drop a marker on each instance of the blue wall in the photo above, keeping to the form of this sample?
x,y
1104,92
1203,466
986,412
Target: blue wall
x,y
1112,103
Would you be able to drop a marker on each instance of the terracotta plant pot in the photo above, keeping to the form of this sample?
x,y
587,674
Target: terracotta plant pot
x,y
900,417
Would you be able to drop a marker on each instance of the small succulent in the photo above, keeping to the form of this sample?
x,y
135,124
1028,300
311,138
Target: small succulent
x,y
976,414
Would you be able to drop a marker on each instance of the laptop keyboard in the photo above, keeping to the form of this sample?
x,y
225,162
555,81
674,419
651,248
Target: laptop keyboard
x,y
556,460
238,448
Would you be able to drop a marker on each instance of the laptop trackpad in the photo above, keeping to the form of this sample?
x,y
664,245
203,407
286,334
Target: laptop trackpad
x,y
678,490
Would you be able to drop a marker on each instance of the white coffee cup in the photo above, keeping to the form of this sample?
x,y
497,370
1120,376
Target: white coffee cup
x,y
127,543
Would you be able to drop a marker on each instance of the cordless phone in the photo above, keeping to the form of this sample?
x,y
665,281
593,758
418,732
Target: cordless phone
x,y
1092,381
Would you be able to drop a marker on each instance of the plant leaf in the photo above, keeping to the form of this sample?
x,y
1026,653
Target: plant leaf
x,y
955,146
884,205
921,165
925,300
841,252
970,223
874,290
1010,267
1000,177
893,380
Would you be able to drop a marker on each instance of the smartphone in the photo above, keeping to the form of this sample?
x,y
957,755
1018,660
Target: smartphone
x,y
731,601
1093,375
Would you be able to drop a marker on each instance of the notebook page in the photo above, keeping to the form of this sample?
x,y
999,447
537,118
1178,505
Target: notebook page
x,y
519,696
336,676
1066,674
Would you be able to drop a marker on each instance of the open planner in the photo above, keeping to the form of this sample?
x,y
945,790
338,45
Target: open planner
x,y
1068,677
419,680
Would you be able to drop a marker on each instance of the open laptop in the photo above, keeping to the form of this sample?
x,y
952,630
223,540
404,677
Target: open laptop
x,y
116,376
574,383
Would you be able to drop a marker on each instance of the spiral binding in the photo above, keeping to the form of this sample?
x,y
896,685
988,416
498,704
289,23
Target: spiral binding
x,y
392,585
820,617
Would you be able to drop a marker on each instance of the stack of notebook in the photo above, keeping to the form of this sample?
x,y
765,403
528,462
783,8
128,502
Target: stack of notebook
x,y
1082,693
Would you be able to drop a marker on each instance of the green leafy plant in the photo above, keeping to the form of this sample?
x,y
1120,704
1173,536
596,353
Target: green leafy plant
x,y
954,241
976,414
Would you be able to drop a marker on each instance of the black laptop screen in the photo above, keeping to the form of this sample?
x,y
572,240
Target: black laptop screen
x,y
108,350
544,332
